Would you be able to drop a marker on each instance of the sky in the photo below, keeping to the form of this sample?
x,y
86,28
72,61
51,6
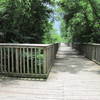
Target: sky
x,y
57,26
57,22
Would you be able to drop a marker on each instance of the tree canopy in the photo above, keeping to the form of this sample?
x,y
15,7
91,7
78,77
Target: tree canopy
x,y
81,20
31,21
24,20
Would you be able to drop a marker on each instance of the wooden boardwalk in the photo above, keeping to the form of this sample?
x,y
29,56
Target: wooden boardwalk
x,y
72,77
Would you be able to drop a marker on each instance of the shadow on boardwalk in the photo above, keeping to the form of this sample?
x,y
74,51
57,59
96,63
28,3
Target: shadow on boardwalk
x,y
6,81
68,60
72,77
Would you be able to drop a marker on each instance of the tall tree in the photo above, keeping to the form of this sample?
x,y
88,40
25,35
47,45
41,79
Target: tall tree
x,y
24,21
82,20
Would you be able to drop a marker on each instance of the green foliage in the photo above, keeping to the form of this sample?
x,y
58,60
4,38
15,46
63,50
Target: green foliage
x,y
81,20
52,37
24,21
29,21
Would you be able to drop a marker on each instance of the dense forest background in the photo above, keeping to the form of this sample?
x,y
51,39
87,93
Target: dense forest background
x,y
32,21
81,20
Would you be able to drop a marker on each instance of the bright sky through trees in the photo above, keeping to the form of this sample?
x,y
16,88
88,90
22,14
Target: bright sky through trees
x,y
57,26
47,21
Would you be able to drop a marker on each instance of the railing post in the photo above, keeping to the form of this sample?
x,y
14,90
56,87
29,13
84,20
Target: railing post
x,y
31,60
8,59
1,65
17,62
27,59
45,61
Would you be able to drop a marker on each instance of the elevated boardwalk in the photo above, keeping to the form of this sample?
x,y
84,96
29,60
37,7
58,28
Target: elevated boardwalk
x,y
72,77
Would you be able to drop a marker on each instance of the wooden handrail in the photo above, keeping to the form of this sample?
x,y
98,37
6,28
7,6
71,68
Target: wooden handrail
x,y
29,45
90,50
33,60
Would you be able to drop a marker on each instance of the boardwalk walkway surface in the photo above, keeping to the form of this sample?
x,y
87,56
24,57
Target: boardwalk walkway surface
x,y
73,77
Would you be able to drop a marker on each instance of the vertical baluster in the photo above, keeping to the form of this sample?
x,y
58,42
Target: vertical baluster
x,y
12,56
49,60
50,56
35,61
93,52
5,70
1,63
96,53
45,61
0,60
31,60
53,54
20,61
99,53
48,49
17,61
27,60
8,59
39,53
23,60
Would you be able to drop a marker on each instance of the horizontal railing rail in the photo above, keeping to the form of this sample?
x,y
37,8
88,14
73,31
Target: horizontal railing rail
x,y
27,60
90,50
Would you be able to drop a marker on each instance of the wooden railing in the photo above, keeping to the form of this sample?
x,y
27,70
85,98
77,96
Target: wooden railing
x,y
27,60
91,51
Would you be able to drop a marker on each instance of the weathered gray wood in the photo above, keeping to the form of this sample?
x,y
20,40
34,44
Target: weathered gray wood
x,y
20,60
23,60
4,59
1,65
31,60
8,60
12,57
17,61
27,59
35,60
24,45
39,52
91,51
45,69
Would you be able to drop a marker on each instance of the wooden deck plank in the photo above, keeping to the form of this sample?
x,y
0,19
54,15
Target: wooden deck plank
x,y
73,77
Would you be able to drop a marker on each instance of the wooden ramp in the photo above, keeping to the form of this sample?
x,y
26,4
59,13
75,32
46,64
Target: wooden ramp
x,y
72,77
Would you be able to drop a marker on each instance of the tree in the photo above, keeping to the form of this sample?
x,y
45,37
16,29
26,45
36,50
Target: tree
x,y
24,21
82,20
